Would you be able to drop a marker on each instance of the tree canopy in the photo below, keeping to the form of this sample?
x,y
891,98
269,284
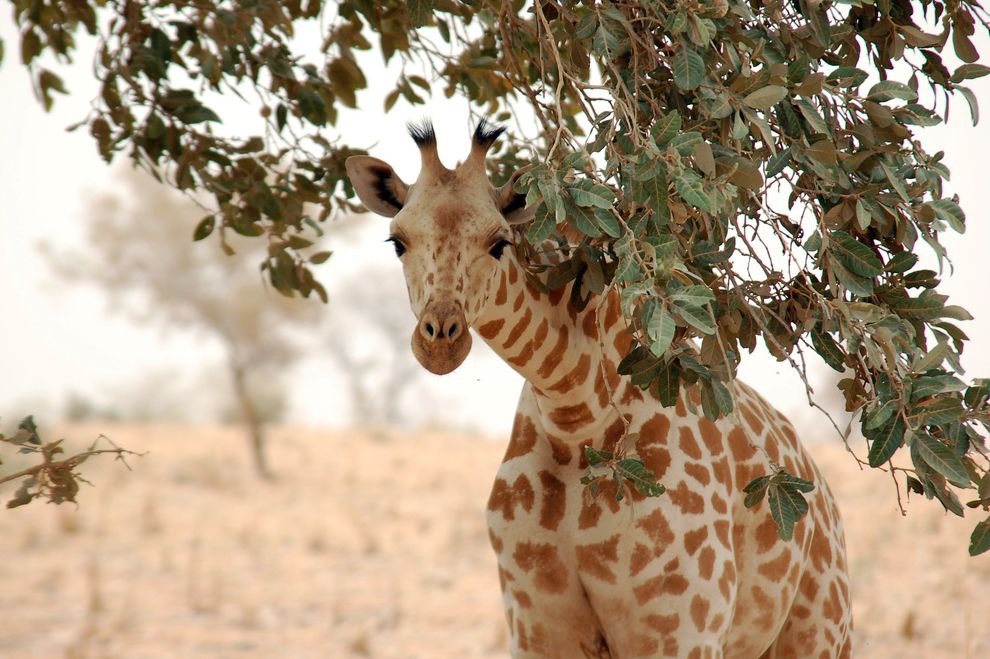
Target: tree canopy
x,y
741,171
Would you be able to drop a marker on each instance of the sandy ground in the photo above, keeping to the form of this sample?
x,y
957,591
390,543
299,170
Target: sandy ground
x,y
373,544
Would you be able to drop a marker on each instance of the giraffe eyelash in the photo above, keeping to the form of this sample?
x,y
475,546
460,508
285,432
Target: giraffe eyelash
x,y
400,247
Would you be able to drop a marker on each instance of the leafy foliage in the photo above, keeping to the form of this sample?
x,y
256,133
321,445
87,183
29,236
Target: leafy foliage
x,y
785,497
51,479
740,171
624,471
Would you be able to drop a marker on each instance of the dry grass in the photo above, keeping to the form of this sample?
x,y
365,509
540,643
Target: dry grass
x,y
372,545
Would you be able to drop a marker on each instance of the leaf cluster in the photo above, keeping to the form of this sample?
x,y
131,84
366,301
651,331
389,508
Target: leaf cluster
x,y
784,494
624,471
56,480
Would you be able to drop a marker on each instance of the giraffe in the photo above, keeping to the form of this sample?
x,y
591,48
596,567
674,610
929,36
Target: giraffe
x,y
691,573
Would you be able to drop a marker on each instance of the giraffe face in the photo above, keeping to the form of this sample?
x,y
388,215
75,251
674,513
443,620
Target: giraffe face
x,y
451,230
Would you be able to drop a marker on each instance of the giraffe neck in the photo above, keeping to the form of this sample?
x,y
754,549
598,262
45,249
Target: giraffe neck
x,y
568,356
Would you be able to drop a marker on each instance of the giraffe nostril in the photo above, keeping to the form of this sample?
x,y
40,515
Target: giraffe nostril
x,y
452,331
430,330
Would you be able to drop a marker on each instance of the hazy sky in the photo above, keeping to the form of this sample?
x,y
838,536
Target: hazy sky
x,y
55,339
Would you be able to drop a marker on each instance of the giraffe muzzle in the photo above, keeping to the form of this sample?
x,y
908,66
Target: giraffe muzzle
x,y
441,341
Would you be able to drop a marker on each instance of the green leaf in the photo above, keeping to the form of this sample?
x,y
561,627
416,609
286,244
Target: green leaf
x,y
582,218
974,105
979,541
590,194
639,476
886,442
692,190
854,255
685,142
787,506
942,459
765,97
921,308
901,262
970,72
689,69
597,458
755,490
890,89
828,349
667,383
949,212
696,295
879,416
666,128
660,328
698,318
941,410
777,162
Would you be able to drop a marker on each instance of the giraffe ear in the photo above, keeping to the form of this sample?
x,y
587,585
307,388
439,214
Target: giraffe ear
x,y
376,184
512,203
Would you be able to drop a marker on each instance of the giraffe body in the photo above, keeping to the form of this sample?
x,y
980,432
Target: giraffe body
x,y
691,573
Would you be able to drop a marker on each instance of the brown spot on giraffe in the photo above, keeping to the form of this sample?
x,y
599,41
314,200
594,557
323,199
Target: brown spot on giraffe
x,y
574,377
752,418
596,559
590,325
698,472
518,330
640,558
774,570
572,417
522,440
766,535
689,501
630,393
711,436
689,445
496,542
821,552
670,584
560,451
722,533
657,529
699,612
505,498
740,445
693,539
665,624
727,580
490,330
554,501
543,561
706,563
552,359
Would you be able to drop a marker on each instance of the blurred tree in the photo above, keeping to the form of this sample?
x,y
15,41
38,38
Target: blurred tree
x,y
663,128
138,252
368,338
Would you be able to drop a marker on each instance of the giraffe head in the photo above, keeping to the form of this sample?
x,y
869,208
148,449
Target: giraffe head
x,y
451,229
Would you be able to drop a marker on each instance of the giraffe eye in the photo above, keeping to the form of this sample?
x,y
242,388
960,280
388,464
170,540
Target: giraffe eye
x,y
497,249
399,246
